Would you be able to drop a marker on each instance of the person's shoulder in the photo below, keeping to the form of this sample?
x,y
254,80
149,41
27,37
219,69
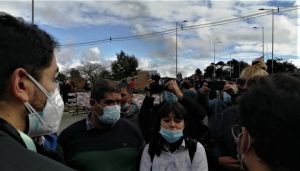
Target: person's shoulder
x,y
199,146
129,127
127,123
14,156
74,128
47,164
231,110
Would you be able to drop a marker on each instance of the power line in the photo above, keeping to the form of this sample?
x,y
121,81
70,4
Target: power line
x,y
168,31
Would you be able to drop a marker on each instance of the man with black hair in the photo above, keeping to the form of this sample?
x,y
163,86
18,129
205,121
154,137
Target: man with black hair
x,y
30,103
129,109
103,140
268,135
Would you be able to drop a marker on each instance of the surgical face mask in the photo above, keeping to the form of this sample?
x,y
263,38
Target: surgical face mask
x,y
226,97
111,114
170,97
171,135
124,106
46,121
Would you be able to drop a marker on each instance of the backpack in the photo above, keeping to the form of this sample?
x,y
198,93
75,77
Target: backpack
x,y
190,143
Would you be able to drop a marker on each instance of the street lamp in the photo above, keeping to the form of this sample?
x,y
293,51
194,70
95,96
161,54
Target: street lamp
x,y
32,11
230,63
263,41
272,33
184,21
214,75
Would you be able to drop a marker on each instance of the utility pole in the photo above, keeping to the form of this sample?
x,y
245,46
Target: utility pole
x,y
32,11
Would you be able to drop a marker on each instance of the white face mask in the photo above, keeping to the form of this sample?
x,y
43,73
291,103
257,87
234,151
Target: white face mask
x,y
46,121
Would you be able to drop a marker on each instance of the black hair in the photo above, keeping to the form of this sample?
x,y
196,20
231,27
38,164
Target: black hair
x,y
270,111
22,45
156,141
101,87
126,86
186,85
168,79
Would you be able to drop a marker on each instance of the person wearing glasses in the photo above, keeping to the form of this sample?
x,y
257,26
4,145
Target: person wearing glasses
x,y
225,148
103,140
268,134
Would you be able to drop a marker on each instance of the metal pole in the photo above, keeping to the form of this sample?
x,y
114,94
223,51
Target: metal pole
x,y
272,40
214,60
230,64
240,68
263,41
176,52
32,11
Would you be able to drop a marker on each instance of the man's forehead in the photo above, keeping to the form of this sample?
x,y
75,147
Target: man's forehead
x,y
124,90
112,95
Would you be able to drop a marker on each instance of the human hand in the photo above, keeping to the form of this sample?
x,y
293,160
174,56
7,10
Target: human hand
x,y
173,87
147,87
229,162
231,88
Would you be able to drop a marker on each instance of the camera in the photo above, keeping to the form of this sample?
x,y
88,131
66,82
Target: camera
x,y
155,87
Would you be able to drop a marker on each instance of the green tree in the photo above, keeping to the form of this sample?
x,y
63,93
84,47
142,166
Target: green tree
x,y
280,65
179,76
208,71
124,66
237,67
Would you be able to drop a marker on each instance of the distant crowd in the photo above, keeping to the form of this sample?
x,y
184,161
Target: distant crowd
x,y
251,123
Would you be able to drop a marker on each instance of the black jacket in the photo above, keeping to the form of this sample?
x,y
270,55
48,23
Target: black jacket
x,y
15,156
149,111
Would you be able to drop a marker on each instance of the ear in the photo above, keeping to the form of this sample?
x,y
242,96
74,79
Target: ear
x,y
245,141
20,85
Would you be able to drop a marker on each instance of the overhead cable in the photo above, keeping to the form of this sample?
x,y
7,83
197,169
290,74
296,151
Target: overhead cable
x,y
173,30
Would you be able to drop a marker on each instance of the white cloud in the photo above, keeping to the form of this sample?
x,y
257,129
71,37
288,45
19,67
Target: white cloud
x,y
65,56
195,47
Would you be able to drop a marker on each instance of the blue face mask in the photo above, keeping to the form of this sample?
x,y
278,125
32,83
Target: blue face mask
x,y
124,106
111,114
171,135
170,97
226,97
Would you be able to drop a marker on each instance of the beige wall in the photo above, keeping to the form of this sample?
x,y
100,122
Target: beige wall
x,y
142,80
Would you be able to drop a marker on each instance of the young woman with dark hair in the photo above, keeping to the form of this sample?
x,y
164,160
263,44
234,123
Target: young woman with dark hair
x,y
169,147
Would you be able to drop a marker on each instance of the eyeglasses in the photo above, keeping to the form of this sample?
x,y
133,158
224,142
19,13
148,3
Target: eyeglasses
x,y
236,131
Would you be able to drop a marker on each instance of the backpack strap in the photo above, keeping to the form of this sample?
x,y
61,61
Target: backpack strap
x,y
191,144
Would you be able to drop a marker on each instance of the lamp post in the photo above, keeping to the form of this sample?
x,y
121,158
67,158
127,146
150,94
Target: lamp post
x,y
184,21
230,63
214,75
263,41
240,67
32,11
272,33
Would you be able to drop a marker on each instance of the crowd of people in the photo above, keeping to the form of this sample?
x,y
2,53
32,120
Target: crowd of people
x,y
252,123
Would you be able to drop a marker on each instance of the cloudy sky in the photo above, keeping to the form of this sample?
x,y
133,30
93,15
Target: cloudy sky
x,y
73,22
